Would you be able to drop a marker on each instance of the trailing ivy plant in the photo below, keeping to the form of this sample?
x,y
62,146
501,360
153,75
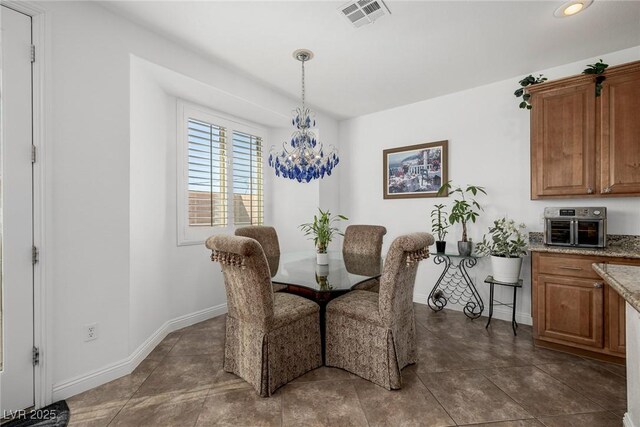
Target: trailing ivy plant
x,y
520,92
596,69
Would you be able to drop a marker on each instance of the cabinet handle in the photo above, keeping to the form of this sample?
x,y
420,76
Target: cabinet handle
x,y
590,190
607,190
564,267
598,285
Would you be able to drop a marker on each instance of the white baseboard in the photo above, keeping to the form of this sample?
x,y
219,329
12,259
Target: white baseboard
x,y
626,421
498,312
81,383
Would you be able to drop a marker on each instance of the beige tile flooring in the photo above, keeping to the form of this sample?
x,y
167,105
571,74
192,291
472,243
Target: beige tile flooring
x,y
466,375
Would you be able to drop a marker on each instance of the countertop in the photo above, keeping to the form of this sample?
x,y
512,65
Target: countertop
x,y
625,279
618,246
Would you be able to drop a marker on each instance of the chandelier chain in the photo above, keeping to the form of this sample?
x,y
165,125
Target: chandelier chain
x,y
303,91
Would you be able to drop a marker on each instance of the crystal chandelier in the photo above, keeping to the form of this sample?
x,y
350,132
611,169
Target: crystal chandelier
x,y
303,158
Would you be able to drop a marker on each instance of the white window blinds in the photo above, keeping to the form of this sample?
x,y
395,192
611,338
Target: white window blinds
x,y
248,204
207,174
220,168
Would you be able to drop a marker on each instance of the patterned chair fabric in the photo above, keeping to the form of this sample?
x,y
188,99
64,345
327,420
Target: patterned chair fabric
x,y
364,240
373,335
271,338
268,239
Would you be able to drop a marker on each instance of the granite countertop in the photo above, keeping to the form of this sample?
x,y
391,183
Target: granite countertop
x,y
618,246
625,279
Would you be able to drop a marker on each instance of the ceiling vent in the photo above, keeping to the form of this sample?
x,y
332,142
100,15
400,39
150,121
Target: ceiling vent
x,y
363,12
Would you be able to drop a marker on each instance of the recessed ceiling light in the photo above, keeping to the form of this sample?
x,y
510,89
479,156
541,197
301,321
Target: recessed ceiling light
x,y
570,8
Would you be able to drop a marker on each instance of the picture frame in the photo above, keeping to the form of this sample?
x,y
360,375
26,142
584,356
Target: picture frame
x,y
415,171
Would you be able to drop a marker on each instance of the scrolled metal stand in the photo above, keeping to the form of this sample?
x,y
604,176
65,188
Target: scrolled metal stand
x,y
454,285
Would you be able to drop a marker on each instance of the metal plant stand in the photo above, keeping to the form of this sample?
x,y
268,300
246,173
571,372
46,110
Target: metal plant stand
x,y
515,285
455,285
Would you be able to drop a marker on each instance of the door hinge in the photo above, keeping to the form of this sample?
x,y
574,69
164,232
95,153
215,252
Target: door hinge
x,y
33,154
36,356
33,53
35,255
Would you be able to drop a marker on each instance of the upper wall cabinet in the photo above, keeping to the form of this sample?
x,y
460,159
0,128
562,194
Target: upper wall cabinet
x,y
583,145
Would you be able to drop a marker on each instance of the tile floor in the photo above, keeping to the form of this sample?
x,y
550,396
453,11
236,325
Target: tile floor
x,y
466,375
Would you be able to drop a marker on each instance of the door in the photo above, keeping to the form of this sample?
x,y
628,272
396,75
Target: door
x,y
563,142
570,310
620,134
559,232
17,375
589,233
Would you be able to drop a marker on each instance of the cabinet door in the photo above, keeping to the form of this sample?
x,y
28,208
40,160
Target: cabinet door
x,y
616,321
570,310
620,134
563,142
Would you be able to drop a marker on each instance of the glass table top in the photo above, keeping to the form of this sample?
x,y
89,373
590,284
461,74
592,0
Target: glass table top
x,y
342,273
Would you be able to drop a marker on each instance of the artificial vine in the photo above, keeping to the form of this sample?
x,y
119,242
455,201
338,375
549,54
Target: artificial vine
x,y
527,81
596,69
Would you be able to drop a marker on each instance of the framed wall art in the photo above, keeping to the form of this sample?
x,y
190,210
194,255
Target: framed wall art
x,y
415,170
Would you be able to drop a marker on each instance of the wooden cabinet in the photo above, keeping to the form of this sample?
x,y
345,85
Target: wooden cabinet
x,y
620,134
583,145
562,141
570,310
573,309
615,318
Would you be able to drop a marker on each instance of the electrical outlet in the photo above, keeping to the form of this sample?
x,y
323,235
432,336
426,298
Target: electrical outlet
x,y
91,332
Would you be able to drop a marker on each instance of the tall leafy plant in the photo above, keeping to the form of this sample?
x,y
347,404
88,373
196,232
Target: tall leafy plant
x,y
322,229
439,223
465,208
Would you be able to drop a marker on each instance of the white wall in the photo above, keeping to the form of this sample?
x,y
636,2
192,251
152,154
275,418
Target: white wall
x,y
112,250
488,145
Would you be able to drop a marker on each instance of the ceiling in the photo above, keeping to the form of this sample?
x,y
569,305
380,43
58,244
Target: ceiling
x,y
422,50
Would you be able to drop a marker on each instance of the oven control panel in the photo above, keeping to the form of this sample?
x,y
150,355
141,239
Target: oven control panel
x,y
583,213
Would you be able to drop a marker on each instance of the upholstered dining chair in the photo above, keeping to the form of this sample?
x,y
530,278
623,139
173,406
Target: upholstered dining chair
x,y
373,335
364,241
271,338
268,239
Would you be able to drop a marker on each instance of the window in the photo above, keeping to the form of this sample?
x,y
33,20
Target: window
x,y
219,161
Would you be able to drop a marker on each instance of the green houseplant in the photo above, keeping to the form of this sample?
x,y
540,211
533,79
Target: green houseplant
x,y
506,244
321,231
439,225
597,69
464,209
522,90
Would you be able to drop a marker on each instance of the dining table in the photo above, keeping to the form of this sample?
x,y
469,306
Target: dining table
x,y
303,276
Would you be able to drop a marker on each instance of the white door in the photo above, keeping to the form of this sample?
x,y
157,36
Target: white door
x,y
17,376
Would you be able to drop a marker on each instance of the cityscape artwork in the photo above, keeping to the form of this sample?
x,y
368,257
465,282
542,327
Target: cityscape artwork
x,y
415,170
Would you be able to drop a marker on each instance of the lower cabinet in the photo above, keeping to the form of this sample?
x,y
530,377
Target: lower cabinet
x,y
573,309
570,310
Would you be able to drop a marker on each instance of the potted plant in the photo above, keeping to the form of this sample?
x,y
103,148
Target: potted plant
x,y
507,245
439,226
321,231
464,209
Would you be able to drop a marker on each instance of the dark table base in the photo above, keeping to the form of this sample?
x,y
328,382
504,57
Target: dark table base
x,y
322,298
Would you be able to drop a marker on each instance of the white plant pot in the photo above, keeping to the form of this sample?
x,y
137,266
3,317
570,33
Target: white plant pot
x,y
322,259
506,269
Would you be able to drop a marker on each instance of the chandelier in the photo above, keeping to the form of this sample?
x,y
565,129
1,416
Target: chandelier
x,y
303,158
